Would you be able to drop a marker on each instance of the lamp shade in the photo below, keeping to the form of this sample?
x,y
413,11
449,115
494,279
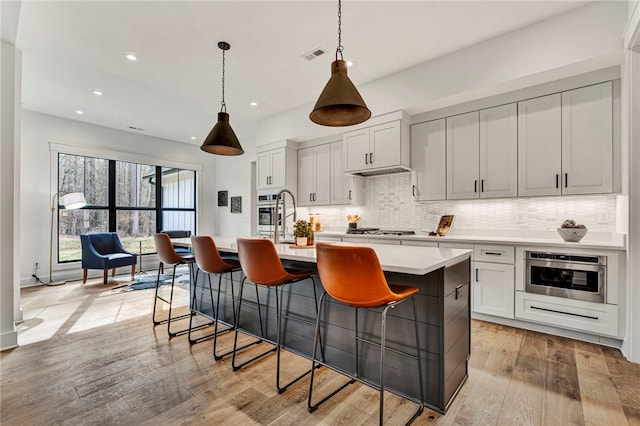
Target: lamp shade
x,y
73,200
222,140
340,103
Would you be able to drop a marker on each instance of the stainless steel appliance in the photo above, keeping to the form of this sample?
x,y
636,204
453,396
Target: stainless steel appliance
x,y
581,277
267,215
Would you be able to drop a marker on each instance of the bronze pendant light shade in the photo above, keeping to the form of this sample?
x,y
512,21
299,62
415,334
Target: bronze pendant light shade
x,y
222,140
340,103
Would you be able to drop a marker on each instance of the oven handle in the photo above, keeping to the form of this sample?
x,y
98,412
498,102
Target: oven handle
x,y
574,266
565,313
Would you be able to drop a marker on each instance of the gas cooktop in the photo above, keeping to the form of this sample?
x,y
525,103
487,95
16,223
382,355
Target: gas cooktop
x,y
377,231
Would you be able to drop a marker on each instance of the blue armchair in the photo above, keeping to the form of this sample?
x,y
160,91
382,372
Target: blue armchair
x,y
104,251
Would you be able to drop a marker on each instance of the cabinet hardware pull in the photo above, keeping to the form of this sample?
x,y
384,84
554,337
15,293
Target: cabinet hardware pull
x,y
557,181
458,291
566,180
371,158
476,274
492,253
482,185
314,196
349,195
310,199
366,159
475,186
565,313
413,190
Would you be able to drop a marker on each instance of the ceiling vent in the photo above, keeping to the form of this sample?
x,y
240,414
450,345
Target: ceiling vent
x,y
319,51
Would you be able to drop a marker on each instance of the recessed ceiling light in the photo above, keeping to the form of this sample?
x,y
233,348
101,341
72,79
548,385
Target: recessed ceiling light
x,y
253,104
193,138
79,112
97,93
132,57
349,63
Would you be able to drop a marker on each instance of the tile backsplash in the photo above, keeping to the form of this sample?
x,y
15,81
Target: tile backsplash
x,y
388,203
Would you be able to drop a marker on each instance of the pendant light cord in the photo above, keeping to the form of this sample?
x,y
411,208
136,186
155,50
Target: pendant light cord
x,y
223,105
340,48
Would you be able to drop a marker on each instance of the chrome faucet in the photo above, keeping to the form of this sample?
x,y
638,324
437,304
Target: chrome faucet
x,y
276,233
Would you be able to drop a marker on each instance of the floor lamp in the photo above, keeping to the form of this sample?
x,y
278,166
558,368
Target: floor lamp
x,y
70,201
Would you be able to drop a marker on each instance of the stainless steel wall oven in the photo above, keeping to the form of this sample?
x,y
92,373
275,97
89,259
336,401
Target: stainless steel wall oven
x,y
581,277
267,215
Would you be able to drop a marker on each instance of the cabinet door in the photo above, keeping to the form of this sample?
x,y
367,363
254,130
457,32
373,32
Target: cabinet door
x,y
587,145
263,170
463,156
356,150
384,144
343,186
322,192
306,176
539,146
493,289
429,160
278,167
499,152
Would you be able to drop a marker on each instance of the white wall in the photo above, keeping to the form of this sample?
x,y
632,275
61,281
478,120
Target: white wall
x,y
39,130
233,174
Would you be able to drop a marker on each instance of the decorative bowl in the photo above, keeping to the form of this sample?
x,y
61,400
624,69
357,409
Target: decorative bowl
x,y
572,235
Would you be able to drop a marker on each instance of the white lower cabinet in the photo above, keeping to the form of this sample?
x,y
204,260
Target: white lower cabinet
x,y
493,288
594,318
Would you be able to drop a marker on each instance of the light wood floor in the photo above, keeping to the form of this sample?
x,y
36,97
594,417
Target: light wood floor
x,y
89,355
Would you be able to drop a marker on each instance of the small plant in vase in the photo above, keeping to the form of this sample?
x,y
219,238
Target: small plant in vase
x,y
301,231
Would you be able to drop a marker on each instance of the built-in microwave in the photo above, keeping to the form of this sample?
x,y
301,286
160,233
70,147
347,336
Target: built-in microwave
x,y
581,277
267,215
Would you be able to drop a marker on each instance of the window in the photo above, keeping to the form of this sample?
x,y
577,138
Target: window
x,y
123,197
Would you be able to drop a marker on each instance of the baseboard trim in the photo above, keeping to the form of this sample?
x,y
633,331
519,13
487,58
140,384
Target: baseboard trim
x,y
8,340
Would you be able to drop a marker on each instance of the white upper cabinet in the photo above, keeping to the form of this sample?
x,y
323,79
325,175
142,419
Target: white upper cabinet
x,y
314,175
463,156
381,146
276,169
429,160
539,146
587,140
499,152
565,142
345,189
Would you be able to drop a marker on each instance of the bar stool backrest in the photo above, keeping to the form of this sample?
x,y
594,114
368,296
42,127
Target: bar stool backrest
x,y
207,255
166,252
260,261
353,275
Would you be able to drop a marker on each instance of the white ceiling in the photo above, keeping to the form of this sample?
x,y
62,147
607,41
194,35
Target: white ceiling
x,y
174,90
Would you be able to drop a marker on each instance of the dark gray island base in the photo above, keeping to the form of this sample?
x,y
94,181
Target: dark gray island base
x,y
443,306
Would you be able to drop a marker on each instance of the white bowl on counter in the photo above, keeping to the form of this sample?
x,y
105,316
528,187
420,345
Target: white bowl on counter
x,y
572,235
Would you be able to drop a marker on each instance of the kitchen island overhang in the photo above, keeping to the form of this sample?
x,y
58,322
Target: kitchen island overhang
x,y
443,304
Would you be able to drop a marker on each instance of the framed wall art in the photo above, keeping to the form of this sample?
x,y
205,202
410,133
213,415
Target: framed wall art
x,y
236,204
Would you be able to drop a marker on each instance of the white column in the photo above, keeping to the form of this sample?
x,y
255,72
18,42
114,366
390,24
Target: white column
x,y
9,194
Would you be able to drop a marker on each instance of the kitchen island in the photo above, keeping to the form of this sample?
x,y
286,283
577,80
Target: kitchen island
x,y
442,275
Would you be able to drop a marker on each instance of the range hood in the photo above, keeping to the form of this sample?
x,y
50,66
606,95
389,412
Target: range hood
x,y
383,171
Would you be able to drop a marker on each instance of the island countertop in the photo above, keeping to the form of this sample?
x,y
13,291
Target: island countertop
x,y
404,259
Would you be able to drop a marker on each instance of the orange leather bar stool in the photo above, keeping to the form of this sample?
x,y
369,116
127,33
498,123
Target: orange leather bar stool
x,y
209,261
262,266
167,255
353,276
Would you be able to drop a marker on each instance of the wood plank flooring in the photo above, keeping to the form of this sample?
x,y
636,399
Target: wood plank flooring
x,y
90,355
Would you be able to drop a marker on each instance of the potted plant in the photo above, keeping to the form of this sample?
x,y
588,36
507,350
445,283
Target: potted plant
x,y
301,231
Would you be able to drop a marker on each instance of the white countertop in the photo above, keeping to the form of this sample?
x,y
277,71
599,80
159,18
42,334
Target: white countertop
x,y
593,239
403,259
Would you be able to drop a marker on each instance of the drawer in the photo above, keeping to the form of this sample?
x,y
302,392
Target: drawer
x,y
589,317
419,243
385,241
495,254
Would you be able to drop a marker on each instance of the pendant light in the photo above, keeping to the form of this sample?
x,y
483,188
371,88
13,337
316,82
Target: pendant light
x,y
222,140
340,103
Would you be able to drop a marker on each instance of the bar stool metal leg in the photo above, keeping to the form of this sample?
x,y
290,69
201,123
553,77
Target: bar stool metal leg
x,y
217,356
259,339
